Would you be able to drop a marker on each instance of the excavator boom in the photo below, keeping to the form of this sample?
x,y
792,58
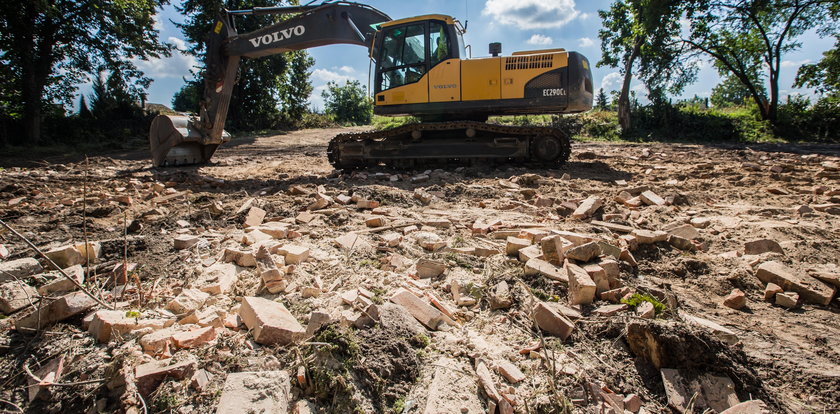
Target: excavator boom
x,y
180,140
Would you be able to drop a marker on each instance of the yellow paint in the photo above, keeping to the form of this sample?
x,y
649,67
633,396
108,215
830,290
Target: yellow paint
x,y
218,28
515,78
445,81
417,92
445,18
480,79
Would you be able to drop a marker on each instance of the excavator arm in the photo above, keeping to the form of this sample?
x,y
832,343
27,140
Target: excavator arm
x,y
182,140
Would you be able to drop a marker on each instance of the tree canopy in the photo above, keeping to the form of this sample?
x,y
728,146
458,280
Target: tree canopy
x,y
48,47
348,103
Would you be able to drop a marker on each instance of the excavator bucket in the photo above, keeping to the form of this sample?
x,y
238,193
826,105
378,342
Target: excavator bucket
x,y
174,142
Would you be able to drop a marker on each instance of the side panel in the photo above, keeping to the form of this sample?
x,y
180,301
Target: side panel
x,y
480,79
445,81
417,92
519,70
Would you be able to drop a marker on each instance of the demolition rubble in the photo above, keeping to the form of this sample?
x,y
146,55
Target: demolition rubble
x,y
636,280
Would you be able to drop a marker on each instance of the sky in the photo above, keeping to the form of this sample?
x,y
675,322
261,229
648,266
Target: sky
x,y
517,24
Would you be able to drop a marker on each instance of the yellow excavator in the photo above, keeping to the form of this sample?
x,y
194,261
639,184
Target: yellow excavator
x,y
421,69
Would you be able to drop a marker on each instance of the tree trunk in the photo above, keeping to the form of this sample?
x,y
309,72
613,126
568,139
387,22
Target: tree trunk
x,y
772,109
31,95
624,97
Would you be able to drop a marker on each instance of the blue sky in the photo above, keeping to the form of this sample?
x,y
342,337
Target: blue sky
x,y
518,24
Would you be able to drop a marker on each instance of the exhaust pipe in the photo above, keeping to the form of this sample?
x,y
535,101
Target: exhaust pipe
x,y
174,141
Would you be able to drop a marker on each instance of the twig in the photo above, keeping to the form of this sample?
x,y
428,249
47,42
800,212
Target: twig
x,y
143,402
12,404
84,217
74,281
395,226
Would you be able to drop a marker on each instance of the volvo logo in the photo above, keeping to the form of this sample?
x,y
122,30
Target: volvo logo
x,y
277,36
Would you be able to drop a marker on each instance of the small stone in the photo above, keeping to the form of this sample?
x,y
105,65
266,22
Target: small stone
x,y
242,258
514,244
375,222
652,199
770,292
588,207
194,338
632,403
255,217
353,242
762,246
294,254
150,375
510,371
581,287
270,321
16,295
584,252
188,300
552,321
420,310
646,310
392,239
184,241
429,268
736,299
200,380
500,297
788,300
19,268
66,256
57,310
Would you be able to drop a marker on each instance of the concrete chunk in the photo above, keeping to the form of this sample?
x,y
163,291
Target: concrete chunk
x,y
188,300
255,392
66,256
19,268
419,309
57,310
217,279
581,287
16,295
270,321
810,289
588,207
551,321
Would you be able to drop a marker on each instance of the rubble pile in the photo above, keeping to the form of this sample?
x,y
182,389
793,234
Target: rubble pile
x,y
433,291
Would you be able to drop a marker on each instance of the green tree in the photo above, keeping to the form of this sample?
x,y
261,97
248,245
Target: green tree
x,y
747,38
297,88
348,104
262,91
732,92
186,99
49,46
642,33
601,100
823,76
84,111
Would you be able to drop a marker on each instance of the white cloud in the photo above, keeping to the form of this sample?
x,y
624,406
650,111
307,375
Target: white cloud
x,y
539,39
176,66
158,22
532,14
612,82
320,77
794,63
585,42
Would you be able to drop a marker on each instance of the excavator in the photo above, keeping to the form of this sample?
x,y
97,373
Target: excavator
x,y
421,70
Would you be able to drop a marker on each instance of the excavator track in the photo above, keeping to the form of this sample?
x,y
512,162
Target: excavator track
x,y
459,142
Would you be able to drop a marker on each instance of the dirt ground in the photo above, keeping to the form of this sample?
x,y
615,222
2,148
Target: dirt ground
x,y
790,359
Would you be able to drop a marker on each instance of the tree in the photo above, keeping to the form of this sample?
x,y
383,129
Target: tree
x,y
601,100
348,104
297,88
745,38
262,92
731,92
642,32
84,111
823,76
186,99
51,45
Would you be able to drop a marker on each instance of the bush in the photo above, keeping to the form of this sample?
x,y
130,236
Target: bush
x,y
348,104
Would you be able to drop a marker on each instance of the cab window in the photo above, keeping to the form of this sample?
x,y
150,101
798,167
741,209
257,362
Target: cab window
x,y
438,43
403,58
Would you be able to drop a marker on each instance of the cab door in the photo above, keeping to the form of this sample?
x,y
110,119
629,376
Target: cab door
x,y
445,72
402,66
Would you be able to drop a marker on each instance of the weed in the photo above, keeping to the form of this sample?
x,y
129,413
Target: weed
x,y
132,314
367,263
399,406
636,299
378,295
420,340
